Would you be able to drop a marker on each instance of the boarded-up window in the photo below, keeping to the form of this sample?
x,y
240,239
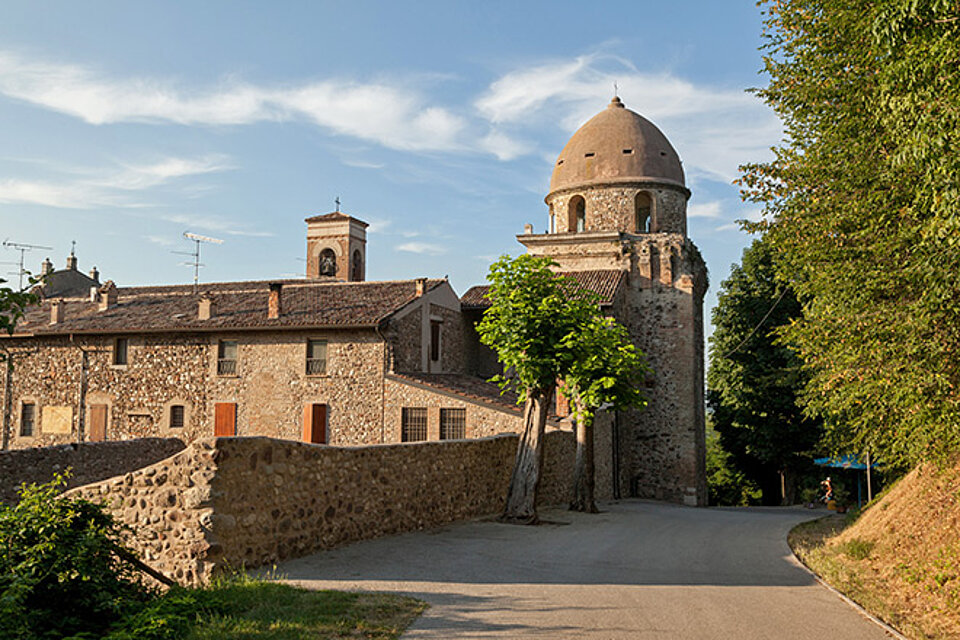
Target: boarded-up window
x,y
316,357
225,419
227,357
413,424
28,419
177,415
453,424
98,422
120,351
435,340
315,423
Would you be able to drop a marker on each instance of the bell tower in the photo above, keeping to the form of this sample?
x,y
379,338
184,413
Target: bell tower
x,y
336,247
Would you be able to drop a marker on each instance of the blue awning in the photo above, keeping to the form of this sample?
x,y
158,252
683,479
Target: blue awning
x,y
843,462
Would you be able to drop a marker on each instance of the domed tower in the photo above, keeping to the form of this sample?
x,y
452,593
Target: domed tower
x,y
618,220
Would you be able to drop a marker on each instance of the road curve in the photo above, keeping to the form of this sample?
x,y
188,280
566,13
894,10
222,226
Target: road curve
x,y
638,570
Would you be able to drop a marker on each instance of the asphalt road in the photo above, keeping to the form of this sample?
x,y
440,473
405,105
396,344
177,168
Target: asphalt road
x,y
639,570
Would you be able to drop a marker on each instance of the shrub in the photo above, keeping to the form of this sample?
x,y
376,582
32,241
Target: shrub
x,y
61,572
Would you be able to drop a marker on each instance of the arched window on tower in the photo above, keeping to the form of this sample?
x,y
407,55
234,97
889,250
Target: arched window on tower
x,y
642,213
328,263
357,269
577,214
553,223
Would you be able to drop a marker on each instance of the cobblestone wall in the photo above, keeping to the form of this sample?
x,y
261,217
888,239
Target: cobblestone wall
x,y
232,502
88,462
614,208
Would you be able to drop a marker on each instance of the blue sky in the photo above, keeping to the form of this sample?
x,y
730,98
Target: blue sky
x,y
124,124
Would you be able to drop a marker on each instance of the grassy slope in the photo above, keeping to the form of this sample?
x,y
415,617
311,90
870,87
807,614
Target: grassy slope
x,y
901,558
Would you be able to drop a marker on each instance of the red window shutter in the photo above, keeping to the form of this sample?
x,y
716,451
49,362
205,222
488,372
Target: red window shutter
x,y
98,422
225,419
315,423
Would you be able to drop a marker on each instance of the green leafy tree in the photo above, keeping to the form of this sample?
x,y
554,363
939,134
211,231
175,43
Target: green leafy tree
x,y
861,207
13,305
533,312
726,485
606,372
754,380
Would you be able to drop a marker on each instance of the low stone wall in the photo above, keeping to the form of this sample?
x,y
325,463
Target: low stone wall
x,y
246,502
89,462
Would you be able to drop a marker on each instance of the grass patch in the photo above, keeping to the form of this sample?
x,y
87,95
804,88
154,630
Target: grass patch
x,y
258,610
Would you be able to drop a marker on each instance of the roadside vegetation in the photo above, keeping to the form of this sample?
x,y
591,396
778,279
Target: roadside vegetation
x,y
66,572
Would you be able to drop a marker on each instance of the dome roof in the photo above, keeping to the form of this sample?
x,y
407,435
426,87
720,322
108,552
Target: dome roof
x,y
613,146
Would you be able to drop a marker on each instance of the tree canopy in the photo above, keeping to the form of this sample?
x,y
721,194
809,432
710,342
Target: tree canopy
x,y
13,304
754,380
862,211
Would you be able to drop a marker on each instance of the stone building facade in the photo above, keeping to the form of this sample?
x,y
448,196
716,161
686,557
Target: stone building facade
x,y
335,359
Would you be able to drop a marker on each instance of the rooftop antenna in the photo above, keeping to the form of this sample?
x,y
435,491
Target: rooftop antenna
x,y
195,254
23,248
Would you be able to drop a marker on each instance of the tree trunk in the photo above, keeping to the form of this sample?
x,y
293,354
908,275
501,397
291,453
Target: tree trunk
x,y
521,505
583,473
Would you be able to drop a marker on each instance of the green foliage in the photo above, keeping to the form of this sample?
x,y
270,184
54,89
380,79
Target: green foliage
x,y
754,380
727,486
533,313
60,574
862,209
606,369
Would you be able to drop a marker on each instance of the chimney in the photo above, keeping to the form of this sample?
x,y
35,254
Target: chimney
x,y
46,267
72,262
275,303
95,275
108,295
94,293
528,229
421,286
206,308
56,311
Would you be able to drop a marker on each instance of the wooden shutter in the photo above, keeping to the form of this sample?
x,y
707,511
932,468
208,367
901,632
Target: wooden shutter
x,y
98,422
225,419
315,423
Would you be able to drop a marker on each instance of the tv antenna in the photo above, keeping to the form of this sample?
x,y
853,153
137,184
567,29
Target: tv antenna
x,y
23,248
195,254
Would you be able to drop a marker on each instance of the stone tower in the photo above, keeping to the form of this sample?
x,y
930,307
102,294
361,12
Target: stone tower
x,y
618,202
336,247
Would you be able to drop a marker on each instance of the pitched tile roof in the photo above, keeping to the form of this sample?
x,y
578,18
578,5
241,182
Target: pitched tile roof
x,y
603,282
238,305
336,215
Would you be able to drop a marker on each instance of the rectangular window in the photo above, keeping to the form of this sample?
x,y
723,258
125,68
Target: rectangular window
x,y
227,358
28,419
316,357
413,424
120,351
435,340
453,424
177,414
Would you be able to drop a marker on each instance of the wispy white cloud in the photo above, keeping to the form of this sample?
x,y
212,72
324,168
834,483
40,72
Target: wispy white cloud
x,y
704,210
85,188
378,225
214,223
163,241
387,113
714,128
425,248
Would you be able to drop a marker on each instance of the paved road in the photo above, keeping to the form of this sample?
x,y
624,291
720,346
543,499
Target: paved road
x,y
639,570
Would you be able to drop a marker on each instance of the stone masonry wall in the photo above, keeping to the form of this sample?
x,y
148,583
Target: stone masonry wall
x,y
88,462
270,388
230,502
611,208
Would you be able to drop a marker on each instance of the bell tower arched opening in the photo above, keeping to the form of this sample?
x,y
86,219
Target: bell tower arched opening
x,y
643,213
577,214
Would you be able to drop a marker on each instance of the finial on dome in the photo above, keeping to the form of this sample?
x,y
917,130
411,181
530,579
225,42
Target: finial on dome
x,y
615,103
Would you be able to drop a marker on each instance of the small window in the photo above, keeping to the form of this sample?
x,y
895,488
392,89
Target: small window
x,y
316,357
589,155
453,424
227,358
177,413
120,351
413,424
628,152
28,419
435,340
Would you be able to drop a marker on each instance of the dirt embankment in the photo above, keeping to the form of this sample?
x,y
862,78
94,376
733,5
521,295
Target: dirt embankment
x,y
901,558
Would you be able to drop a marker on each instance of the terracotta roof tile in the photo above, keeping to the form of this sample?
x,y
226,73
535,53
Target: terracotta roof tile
x,y
603,282
238,305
